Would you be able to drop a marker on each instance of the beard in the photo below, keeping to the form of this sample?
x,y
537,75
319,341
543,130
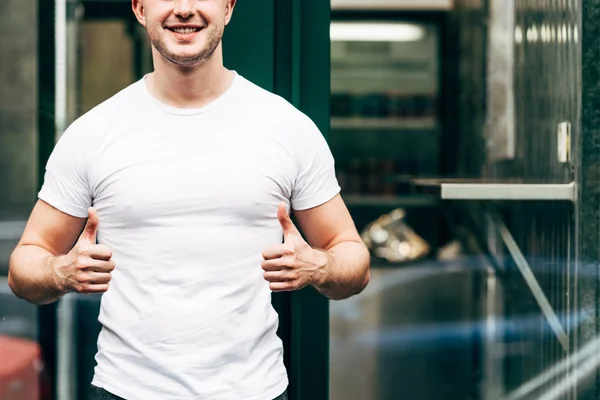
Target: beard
x,y
213,39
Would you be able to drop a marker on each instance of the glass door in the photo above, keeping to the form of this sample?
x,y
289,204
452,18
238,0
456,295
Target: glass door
x,y
408,334
483,227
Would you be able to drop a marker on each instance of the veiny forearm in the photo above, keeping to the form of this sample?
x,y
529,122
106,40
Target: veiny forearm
x,y
347,272
31,275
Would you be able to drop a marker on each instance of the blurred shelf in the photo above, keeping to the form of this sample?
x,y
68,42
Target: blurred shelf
x,y
355,200
428,123
496,189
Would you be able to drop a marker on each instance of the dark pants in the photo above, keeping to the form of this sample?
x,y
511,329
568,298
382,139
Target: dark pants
x,y
101,394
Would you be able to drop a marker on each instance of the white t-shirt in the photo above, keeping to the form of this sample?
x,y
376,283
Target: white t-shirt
x,y
187,200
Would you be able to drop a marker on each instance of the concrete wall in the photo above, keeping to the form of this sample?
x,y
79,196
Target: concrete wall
x,y
18,107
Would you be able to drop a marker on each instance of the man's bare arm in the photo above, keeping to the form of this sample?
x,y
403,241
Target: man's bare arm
x,y
330,229
50,261
335,260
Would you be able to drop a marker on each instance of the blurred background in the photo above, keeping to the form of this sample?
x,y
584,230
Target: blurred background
x,y
465,134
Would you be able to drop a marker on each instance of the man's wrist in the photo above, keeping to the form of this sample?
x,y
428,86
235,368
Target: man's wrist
x,y
58,282
324,260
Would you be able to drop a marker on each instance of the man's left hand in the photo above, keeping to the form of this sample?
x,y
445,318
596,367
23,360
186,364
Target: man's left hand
x,y
293,265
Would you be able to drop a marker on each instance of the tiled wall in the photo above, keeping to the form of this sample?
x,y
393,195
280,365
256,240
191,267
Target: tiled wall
x,y
547,52
527,51
588,178
520,76
547,70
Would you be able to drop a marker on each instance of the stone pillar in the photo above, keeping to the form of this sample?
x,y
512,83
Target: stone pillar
x,y
18,107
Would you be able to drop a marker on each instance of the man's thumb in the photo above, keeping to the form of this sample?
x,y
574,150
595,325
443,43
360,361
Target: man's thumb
x,y
91,227
285,220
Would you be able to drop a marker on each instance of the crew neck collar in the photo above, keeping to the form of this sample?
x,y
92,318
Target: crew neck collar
x,y
189,111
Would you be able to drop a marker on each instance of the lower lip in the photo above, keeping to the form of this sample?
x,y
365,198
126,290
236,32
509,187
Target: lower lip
x,y
184,36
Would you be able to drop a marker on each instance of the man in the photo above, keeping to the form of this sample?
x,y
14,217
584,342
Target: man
x,y
185,179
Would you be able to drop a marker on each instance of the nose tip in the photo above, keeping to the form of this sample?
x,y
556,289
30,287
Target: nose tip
x,y
184,13
184,8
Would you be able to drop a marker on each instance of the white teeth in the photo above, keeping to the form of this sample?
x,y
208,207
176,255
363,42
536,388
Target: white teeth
x,y
185,30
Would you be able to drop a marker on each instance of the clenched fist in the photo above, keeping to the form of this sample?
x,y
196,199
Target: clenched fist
x,y
88,266
292,265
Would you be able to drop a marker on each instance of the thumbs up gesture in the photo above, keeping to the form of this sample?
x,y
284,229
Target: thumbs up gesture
x,y
88,266
292,265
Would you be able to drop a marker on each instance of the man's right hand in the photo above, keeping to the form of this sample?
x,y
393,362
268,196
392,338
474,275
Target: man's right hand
x,y
88,266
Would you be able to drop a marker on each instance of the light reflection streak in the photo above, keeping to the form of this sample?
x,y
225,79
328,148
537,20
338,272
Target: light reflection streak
x,y
579,361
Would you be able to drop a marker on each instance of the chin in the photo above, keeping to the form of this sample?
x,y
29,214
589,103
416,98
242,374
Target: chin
x,y
193,62
185,59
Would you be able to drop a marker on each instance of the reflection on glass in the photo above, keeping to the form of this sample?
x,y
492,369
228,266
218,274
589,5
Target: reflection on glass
x,y
375,32
384,130
384,123
408,335
501,302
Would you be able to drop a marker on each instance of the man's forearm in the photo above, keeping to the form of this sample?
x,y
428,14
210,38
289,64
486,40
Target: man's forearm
x,y
347,271
31,275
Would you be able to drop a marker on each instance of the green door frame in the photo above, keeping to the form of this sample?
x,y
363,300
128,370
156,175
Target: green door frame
x,y
283,46
297,67
46,315
311,89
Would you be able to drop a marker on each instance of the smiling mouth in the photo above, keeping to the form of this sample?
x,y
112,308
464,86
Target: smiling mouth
x,y
184,31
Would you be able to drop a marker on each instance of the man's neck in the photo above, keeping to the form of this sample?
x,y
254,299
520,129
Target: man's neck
x,y
193,87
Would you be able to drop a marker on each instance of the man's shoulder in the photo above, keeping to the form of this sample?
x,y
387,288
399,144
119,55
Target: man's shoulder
x,y
118,103
109,112
265,102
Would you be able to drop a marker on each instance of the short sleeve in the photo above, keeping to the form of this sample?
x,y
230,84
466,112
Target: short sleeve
x,y
65,185
316,182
